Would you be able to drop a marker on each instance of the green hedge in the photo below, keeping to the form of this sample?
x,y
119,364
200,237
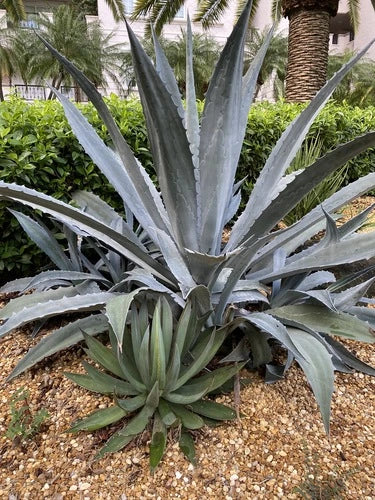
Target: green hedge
x,y
38,149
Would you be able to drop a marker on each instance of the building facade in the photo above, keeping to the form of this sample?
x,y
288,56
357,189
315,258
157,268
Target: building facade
x,y
342,37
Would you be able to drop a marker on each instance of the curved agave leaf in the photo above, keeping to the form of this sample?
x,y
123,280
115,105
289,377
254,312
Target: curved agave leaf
x,y
102,355
187,446
98,419
60,339
283,153
351,296
80,303
89,225
117,311
313,222
45,240
177,180
110,165
146,189
48,277
306,180
320,319
97,381
333,255
211,409
365,314
348,358
318,368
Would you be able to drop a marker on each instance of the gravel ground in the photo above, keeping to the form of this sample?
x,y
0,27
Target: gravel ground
x,y
266,455
278,445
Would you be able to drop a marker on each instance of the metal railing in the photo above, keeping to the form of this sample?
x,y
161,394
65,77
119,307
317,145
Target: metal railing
x,y
40,92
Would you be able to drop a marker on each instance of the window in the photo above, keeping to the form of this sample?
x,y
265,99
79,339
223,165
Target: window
x,y
335,39
129,5
31,22
180,14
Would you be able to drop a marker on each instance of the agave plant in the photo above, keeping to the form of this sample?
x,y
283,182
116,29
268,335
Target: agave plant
x,y
154,375
173,237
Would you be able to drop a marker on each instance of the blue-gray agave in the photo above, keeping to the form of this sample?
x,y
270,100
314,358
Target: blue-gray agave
x,y
196,163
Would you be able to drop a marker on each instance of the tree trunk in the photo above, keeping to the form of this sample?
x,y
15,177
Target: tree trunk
x,y
307,47
1,88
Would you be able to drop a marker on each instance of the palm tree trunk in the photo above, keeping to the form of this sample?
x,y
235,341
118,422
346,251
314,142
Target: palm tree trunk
x,y
307,46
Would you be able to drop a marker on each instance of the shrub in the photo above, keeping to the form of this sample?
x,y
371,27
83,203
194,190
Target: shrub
x,y
39,150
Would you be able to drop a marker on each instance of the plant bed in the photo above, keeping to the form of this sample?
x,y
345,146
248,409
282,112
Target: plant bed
x,y
264,455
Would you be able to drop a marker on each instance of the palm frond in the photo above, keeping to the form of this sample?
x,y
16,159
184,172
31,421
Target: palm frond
x,y
210,11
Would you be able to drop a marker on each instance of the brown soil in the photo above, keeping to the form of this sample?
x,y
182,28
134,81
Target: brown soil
x,y
279,443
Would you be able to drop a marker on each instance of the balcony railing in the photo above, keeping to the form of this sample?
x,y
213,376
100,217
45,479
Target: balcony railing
x,y
40,92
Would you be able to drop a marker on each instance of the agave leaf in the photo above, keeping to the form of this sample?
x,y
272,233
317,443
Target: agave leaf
x,y
157,349
166,327
191,117
307,180
175,262
132,404
60,339
115,443
318,368
355,222
250,82
16,305
130,371
349,358
364,313
220,131
188,393
65,305
102,355
215,379
272,327
68,214
207,353
188,419
17,285
166,413
142,358
177,180
95,206
241,352
109,164
47,277
117,310
97,381
239,264
316,279
211,409
203,266
158,441
321,319
337,253
166,75
45,240
174,367
185,323
146,189
145,278
311,223
98,419
283,153
351,296
187,447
